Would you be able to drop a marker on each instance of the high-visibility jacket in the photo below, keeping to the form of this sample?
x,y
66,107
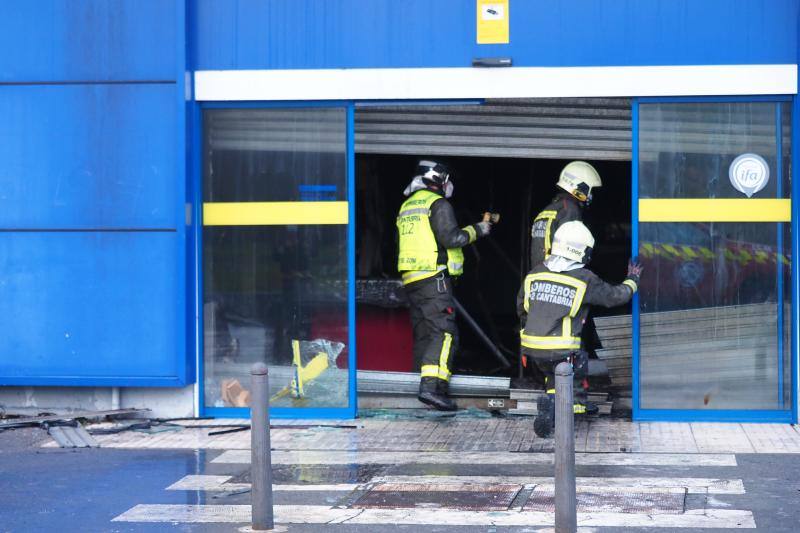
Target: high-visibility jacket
x,y
430,239
553,306
563,208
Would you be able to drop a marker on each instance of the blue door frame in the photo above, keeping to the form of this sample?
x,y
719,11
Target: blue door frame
x,y
787,416
732,415
278,412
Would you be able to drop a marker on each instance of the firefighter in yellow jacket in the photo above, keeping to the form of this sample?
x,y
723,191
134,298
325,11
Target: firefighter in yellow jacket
x,y
429,258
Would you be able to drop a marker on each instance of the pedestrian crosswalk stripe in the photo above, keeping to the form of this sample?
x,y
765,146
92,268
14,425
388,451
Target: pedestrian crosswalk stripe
x,y
487,458
220,483
692,485
689,485
320,514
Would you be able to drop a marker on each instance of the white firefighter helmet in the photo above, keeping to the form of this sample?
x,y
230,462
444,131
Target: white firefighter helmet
x,y
579,178
435,176
573,241
433,172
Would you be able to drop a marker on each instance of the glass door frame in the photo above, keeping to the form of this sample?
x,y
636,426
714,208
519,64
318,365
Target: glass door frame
x,y
721,415
196,178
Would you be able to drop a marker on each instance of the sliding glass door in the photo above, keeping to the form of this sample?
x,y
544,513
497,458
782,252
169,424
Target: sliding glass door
x,y
712,323
277,261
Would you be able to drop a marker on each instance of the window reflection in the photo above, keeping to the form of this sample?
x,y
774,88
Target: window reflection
x,y
715,298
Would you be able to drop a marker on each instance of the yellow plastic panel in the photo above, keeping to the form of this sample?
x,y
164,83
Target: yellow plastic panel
x,y
274,213
715,210
492,21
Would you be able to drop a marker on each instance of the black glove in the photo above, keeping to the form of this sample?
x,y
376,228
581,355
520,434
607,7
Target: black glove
x,y
634,270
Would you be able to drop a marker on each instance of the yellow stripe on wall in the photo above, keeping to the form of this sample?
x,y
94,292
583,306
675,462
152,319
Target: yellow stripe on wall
x,y
274,213
715,210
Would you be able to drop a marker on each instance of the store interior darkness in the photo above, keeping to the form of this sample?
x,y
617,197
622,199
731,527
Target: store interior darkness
x,y
517,189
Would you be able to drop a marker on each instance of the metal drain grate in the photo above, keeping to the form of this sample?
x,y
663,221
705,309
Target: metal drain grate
x,y
666,501
462,496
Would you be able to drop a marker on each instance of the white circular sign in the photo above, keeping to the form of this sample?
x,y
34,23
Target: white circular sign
x,y
749,173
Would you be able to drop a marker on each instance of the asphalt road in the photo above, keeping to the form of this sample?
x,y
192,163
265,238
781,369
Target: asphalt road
x,y
83,490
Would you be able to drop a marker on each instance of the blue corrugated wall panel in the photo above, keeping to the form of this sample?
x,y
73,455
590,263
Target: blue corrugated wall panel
x,y
93,248
95,305
87,40
88,156
312,34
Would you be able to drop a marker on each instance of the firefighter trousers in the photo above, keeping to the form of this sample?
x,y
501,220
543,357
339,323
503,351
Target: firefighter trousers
x,y
433,321
547,360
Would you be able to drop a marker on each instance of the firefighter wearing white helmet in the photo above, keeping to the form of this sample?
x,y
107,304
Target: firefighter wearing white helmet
x,y
553,303
429,257
577,180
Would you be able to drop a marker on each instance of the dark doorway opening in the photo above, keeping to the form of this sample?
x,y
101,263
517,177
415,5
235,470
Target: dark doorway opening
x,y
494,267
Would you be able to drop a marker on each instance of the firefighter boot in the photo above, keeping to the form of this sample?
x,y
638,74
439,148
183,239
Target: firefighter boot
x,y
443,389
585,408
545,421
429,395
581,406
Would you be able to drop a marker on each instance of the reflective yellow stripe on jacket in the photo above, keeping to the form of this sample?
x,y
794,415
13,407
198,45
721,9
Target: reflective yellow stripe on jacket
x,y
549,216
550,343
417,275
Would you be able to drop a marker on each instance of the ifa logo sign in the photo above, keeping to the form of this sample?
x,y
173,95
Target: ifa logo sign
x,y
749,173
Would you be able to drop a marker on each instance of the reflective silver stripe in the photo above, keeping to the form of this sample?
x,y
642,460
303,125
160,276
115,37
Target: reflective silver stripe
x,y
415,211
455,267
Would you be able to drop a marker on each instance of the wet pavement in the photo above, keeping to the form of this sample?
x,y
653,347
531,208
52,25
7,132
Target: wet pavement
x,y
392,488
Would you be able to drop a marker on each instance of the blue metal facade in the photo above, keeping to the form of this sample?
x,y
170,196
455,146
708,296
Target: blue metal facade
x,y
315,34
92,218
99,181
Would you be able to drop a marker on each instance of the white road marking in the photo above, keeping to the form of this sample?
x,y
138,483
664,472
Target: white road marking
x,y
595,489
693,485
690,485
331,457
320,514
220,484
552,530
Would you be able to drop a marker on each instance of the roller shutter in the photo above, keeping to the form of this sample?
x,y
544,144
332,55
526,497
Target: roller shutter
x,y
550,128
